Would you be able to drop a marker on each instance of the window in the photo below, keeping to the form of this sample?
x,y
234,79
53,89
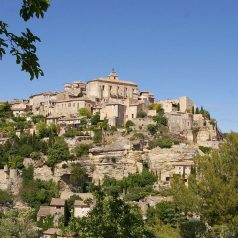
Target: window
x,y
69,105
73,104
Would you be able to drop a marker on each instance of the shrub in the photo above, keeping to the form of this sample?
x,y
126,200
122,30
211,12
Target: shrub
x,y
204,149
37,192
85,112
113,128
160,119
95,119
97,138
162,142
58,152
80,95
16,162
5,197
36,155
139,135
82,149
129,123
152,129
64,166
141,114
72,132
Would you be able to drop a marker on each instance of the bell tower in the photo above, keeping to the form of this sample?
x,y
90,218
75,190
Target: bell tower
x,y
113,75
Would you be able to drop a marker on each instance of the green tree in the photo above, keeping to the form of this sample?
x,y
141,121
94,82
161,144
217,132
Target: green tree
x,y
141,114
160,119
78,178
58,152
5,197
158,107
212,192
95,119
165,212
23,46
111,217
84,112
152,129
15,224
97,138
82,149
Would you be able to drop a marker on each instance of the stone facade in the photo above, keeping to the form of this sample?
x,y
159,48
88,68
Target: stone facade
x,y
42,104
111,87
182,104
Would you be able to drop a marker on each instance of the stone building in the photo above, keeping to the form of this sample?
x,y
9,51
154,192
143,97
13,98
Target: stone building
x,y
20,107
111,87
55,209
182,104
147,97
76,88
114,112
132,110
42,103
71,106
81,209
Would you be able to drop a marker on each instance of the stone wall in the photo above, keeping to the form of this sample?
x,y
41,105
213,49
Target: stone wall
x,y
10,179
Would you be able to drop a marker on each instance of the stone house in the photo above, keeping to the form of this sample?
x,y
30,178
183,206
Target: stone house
x,y
75,88
146,97
55,209
20,107
114,112
133,109
179,122
182,104
182,168
42,103
81,209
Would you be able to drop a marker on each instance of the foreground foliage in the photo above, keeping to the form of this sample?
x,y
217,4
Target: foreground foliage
x,y
213,190
111,217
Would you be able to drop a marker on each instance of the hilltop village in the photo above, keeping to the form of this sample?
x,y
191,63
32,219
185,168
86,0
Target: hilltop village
x,y
101,132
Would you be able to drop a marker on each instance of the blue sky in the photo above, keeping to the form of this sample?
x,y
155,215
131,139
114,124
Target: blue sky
x,y
171,47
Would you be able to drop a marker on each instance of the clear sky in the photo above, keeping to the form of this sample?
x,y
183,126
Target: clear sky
x,y
171,47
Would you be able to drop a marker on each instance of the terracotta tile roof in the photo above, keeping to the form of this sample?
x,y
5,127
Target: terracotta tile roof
x,y
44,211
79,203
57,202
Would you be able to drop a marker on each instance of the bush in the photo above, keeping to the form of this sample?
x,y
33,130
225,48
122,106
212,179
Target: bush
x,y
59,152
97,138
129,123
72,132
204,149
82,149
95,119
5,197
160,119
141,114
36,155
165,212
113,128
37,192
152,129
16,162
85,112
44,130
162,142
